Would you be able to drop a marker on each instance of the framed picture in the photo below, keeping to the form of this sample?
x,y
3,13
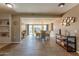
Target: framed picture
x,y
68,20
73,20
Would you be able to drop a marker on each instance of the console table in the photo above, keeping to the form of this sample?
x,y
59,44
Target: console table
x,y
67,42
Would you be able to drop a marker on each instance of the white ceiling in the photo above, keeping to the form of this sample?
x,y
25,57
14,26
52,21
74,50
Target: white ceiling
x,y
42,8
5,9
50,8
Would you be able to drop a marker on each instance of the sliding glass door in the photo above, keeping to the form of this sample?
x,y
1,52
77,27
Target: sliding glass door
x,y
33,28
30,29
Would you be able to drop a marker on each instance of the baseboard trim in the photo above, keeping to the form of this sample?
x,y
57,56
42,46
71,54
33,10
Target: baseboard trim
x,y
10,42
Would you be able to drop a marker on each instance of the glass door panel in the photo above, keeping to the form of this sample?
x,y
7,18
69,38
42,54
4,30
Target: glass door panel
x,y
30,29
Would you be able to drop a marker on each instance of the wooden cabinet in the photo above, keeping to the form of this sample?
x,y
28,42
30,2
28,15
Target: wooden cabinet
x,y
71,43
67,42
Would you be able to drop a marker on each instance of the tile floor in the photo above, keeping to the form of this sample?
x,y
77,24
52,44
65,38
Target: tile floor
x,y
31,46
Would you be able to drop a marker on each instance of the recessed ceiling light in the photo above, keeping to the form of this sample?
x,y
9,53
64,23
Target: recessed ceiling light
x,y
9,5
61,4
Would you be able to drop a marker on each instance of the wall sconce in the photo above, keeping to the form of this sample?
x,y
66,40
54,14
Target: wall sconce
x,y
68,21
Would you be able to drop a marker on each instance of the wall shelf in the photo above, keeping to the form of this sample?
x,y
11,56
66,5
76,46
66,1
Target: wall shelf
x,y
5,28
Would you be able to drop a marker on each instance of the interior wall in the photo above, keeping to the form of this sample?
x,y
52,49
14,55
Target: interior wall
x,y
15,28
23,26
74,12
35,20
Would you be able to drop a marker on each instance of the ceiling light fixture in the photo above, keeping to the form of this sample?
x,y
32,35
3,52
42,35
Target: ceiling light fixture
x,y
61,4
9,5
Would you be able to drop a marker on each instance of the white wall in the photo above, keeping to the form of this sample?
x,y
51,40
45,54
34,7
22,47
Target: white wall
x,y
74,12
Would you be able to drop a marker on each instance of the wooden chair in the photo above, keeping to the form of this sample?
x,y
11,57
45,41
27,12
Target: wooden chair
x,y
37,34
